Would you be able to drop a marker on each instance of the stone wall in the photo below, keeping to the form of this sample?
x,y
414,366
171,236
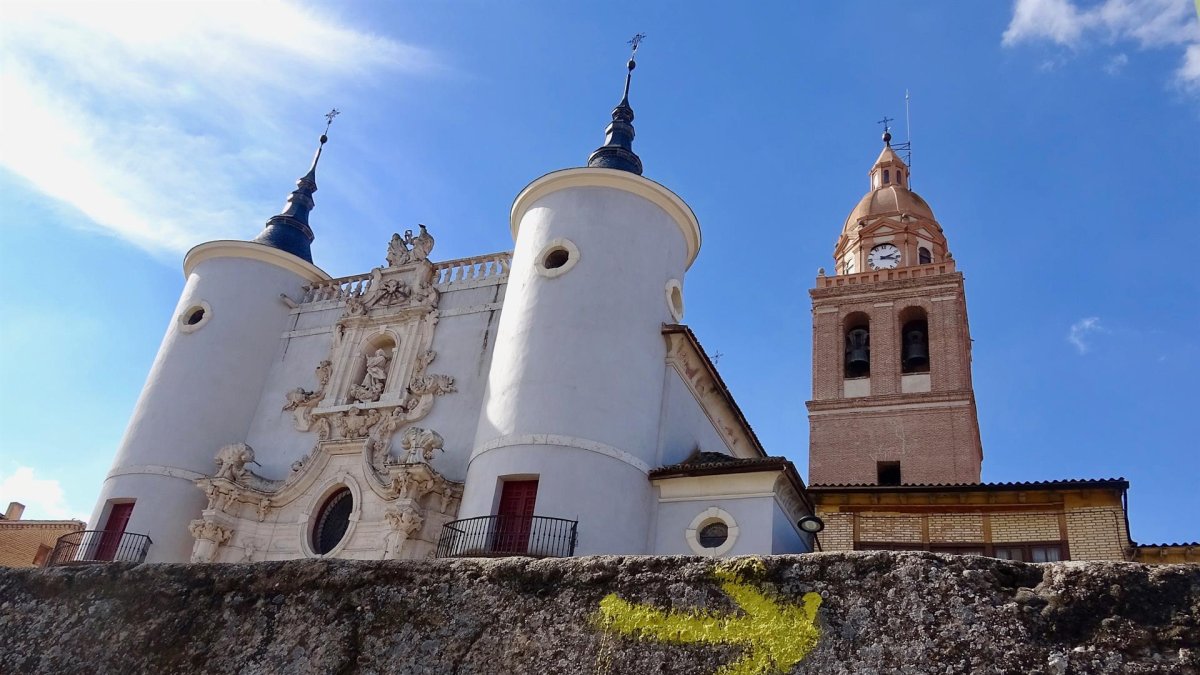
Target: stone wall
x,y
878,612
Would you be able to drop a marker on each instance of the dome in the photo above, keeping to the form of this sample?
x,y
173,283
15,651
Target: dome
x,y
891,200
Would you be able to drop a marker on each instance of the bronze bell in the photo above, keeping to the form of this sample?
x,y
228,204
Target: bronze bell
x,y
858,349
916,348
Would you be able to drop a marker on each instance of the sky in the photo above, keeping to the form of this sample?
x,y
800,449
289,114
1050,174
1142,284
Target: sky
x,y
1055,140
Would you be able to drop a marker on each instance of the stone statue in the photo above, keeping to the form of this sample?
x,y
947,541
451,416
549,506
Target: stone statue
x,y
323,371
373,379
398,253
422,244
232,461
424,441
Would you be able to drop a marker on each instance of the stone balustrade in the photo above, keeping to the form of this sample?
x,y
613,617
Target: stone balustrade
x,y
492,267
874,276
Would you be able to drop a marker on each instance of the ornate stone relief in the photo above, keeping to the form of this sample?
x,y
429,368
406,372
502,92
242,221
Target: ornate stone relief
x,y
209,537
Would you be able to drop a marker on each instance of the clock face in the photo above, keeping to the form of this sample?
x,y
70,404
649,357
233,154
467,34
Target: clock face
x,y
884,257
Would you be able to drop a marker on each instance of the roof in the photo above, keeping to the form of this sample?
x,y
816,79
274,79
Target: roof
x,y
718,463
681,329
885,201
1068,484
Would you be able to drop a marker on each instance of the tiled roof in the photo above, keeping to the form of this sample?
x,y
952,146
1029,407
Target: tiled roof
x,y
1015,485
716,462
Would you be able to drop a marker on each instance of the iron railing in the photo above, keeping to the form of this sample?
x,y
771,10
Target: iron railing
x,y
99,546
498,536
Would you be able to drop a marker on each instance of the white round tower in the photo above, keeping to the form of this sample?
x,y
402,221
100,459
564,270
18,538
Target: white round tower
x,y
574,394
205,384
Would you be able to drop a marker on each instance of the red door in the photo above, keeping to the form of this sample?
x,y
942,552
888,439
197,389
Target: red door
x,y
515,516
118,518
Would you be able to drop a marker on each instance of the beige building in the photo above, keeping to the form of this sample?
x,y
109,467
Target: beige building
x,y
27,543
895,455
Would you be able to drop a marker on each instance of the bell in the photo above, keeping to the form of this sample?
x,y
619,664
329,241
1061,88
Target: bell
x,y
916,349
858,349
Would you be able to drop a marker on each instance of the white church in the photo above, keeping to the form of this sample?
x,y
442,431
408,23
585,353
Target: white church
x,y
543,402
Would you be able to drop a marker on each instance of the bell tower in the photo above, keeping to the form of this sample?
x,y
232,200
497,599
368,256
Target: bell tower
x,y
892,396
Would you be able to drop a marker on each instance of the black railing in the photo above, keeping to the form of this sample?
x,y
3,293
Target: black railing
x,y
498,536
99,546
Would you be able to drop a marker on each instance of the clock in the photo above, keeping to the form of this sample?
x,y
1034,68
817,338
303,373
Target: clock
x,y
884,257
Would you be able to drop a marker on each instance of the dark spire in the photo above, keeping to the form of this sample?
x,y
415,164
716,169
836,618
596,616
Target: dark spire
x,y
289,231
617,151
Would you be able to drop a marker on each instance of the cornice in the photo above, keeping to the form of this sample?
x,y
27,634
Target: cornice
x,y
230,248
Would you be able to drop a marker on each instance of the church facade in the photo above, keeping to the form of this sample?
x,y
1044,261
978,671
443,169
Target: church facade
x,y
547,401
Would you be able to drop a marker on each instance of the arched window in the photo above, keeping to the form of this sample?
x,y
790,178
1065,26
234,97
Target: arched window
x,y
886,180
914,341
857,346
924,257
332,521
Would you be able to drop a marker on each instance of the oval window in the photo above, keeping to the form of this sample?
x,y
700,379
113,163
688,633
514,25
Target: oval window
x,y
713,535
332,521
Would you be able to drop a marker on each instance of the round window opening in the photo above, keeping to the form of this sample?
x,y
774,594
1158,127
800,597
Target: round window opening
x,y
195,316
332,521
713,535
556,258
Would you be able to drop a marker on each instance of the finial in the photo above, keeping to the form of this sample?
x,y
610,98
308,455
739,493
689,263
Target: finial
x,y
289,231
887,133
617,151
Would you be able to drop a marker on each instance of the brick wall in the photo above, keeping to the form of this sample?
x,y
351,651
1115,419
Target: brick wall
x,y
934,435
1019,527
1097,533
19,540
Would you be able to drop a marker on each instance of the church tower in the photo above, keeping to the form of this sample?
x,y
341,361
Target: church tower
x,y
892,396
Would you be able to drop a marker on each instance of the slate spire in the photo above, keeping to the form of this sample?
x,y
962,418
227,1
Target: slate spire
x,y
289,231
617,151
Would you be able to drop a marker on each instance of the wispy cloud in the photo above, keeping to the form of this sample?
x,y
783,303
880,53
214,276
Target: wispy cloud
x,y
1081,331
1116,64
1149,23
149,118
43,497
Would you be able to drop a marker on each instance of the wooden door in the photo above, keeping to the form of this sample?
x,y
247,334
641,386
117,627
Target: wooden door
x,y
114,529
515,516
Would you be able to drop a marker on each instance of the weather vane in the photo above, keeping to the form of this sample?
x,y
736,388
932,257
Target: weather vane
x,y
637,40
329,118
885,121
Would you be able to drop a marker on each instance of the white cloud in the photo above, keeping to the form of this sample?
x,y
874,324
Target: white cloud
x,y
1081,330
1150,23
1116,64
43,497
151,117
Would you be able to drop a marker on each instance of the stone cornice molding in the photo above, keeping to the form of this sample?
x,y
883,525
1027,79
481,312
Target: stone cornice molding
x,y
649,190
229,248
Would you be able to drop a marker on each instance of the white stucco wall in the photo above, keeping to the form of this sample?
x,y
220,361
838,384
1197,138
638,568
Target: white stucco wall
x,y
752,515
580,355
201,393
685,425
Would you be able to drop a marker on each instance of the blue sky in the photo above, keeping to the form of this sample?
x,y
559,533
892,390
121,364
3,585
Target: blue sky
x,y
1055,140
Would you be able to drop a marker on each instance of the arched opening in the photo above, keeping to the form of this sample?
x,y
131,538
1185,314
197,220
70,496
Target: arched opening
x,y
924,256
332,521
886,177
857,361
914,341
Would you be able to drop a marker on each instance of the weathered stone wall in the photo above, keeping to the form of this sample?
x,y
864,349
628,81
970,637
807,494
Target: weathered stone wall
x,y
879,612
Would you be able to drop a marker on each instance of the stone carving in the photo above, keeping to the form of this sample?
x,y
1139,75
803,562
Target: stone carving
x,y
324,369
302,398
379,441
423,441
209,537
407,249
425,294
386,293
232,461
405,521
414,485
437,385
264,506
373,380
354,424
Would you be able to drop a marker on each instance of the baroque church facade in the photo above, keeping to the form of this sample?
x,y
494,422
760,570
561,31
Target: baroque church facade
x,y
439,408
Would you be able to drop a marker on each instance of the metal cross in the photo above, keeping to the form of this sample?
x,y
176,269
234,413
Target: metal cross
x,y
716,357
637,40
329,118
885,122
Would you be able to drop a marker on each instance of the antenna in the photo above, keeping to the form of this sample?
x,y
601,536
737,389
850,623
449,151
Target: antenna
x,y
906,146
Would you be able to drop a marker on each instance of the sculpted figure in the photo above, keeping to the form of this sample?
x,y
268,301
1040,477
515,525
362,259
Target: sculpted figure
x,y
424,441
302,398
422,244
425,294
232,460
373,380
398,253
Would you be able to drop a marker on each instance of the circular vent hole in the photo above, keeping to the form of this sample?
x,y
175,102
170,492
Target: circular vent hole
x,y
195,316
556,258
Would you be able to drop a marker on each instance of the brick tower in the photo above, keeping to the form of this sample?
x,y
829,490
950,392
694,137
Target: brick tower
x,y
892,395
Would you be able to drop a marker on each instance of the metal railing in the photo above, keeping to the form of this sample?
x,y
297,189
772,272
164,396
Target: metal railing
x,y
99,546
498,536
